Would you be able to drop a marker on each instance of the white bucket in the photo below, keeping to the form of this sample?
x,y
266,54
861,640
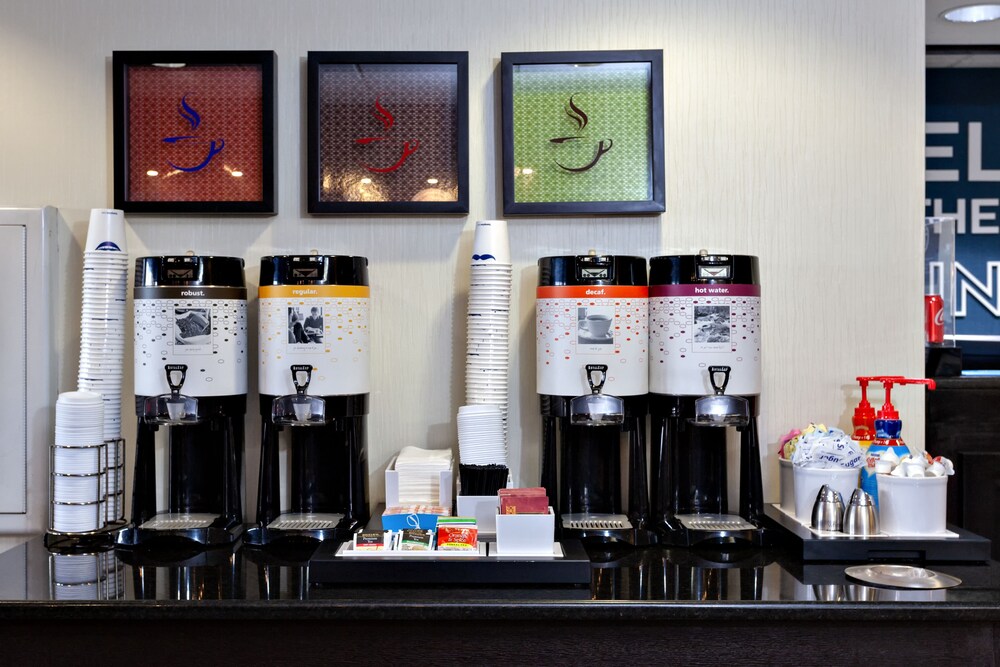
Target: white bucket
x,y
808,482
786,478
912,505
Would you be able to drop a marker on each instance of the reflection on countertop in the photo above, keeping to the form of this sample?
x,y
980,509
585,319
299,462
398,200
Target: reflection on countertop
x,y
29,573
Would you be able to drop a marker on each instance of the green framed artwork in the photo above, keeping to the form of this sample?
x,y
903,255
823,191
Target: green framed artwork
x,y
582,132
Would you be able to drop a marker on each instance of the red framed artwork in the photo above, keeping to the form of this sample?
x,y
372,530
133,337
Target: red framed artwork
x,y
194,132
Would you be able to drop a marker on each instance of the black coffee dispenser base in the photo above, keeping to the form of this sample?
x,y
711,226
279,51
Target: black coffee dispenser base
x,y
257,536
712,530
219,534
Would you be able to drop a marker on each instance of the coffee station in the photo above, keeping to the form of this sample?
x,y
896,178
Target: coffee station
x,y
458,333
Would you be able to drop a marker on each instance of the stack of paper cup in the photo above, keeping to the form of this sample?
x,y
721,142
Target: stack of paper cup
x,y
79,480
488,358
102,334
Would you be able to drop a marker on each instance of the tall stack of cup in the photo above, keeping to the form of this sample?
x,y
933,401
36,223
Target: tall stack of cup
x,y
102,337
488,358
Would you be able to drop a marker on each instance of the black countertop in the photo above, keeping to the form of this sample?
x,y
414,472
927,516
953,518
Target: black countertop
x,y
646,584
644,606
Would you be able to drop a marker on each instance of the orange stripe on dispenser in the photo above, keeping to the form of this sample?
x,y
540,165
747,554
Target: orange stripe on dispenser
x,y
593,292
312,291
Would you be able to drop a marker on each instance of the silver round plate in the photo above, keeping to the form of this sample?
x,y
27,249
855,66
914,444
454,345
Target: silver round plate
x,y
901,576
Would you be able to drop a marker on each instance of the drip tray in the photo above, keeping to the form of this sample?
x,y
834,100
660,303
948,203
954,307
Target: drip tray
x,y
715,522
596,522
179,521
318,521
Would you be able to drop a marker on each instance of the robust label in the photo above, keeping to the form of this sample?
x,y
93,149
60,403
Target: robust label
x,y
208,335
580,325
692,327
323,325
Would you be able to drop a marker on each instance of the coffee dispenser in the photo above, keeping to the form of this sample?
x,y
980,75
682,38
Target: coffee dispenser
x,y
704,380
190,386
592,375
314,384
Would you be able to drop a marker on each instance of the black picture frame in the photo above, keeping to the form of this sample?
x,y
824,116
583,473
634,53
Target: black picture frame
x,y
319,128
655,201
261,145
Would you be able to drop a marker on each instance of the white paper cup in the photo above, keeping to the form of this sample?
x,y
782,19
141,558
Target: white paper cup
x,y
912,505
106,231
78,489
808,482
78,460
77,518
490,244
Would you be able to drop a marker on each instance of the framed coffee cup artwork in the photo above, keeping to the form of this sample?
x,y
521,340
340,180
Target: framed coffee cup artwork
x,y
194,132
388,133
582,132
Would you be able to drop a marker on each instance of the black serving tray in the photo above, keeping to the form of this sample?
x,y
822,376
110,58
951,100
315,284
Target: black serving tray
x,y
966,547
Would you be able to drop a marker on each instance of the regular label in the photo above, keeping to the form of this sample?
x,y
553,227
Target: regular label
x,y
208,335
323,325
692,327
581,325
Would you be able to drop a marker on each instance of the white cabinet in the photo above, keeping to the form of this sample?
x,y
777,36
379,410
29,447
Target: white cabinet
x,y
28,252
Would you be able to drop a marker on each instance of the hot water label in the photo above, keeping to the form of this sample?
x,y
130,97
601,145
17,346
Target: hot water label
x,y
323,325
692,327
207,334
591,324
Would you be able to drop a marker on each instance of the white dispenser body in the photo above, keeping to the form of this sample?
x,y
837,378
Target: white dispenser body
x,y
340,354
592,324
202,327
694,326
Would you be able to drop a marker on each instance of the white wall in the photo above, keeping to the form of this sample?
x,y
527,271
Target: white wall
x,y
793,131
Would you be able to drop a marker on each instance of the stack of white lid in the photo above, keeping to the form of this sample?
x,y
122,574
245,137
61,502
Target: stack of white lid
x,y
79,465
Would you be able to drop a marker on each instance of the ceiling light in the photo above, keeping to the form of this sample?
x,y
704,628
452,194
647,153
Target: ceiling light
x,y
152,172
972,13
237,173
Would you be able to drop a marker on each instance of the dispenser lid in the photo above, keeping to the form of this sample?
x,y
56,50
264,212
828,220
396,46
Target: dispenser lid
x,y
308,269
592,269
189,271
707,268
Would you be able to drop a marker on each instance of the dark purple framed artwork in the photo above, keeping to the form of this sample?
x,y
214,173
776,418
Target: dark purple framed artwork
x,y
388,133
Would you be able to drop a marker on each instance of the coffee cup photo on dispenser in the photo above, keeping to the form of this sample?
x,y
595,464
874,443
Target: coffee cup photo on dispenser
x,y
594,325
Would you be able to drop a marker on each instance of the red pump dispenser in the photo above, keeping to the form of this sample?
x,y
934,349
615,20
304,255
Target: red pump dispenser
x,y
887,426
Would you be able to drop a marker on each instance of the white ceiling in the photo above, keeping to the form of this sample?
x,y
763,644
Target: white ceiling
x,y
940,31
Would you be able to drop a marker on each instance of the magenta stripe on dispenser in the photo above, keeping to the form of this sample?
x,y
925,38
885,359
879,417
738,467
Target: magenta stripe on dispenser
x,y
704,290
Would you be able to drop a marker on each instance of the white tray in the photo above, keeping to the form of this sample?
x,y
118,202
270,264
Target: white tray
x,y
486,550
346,550
835,534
